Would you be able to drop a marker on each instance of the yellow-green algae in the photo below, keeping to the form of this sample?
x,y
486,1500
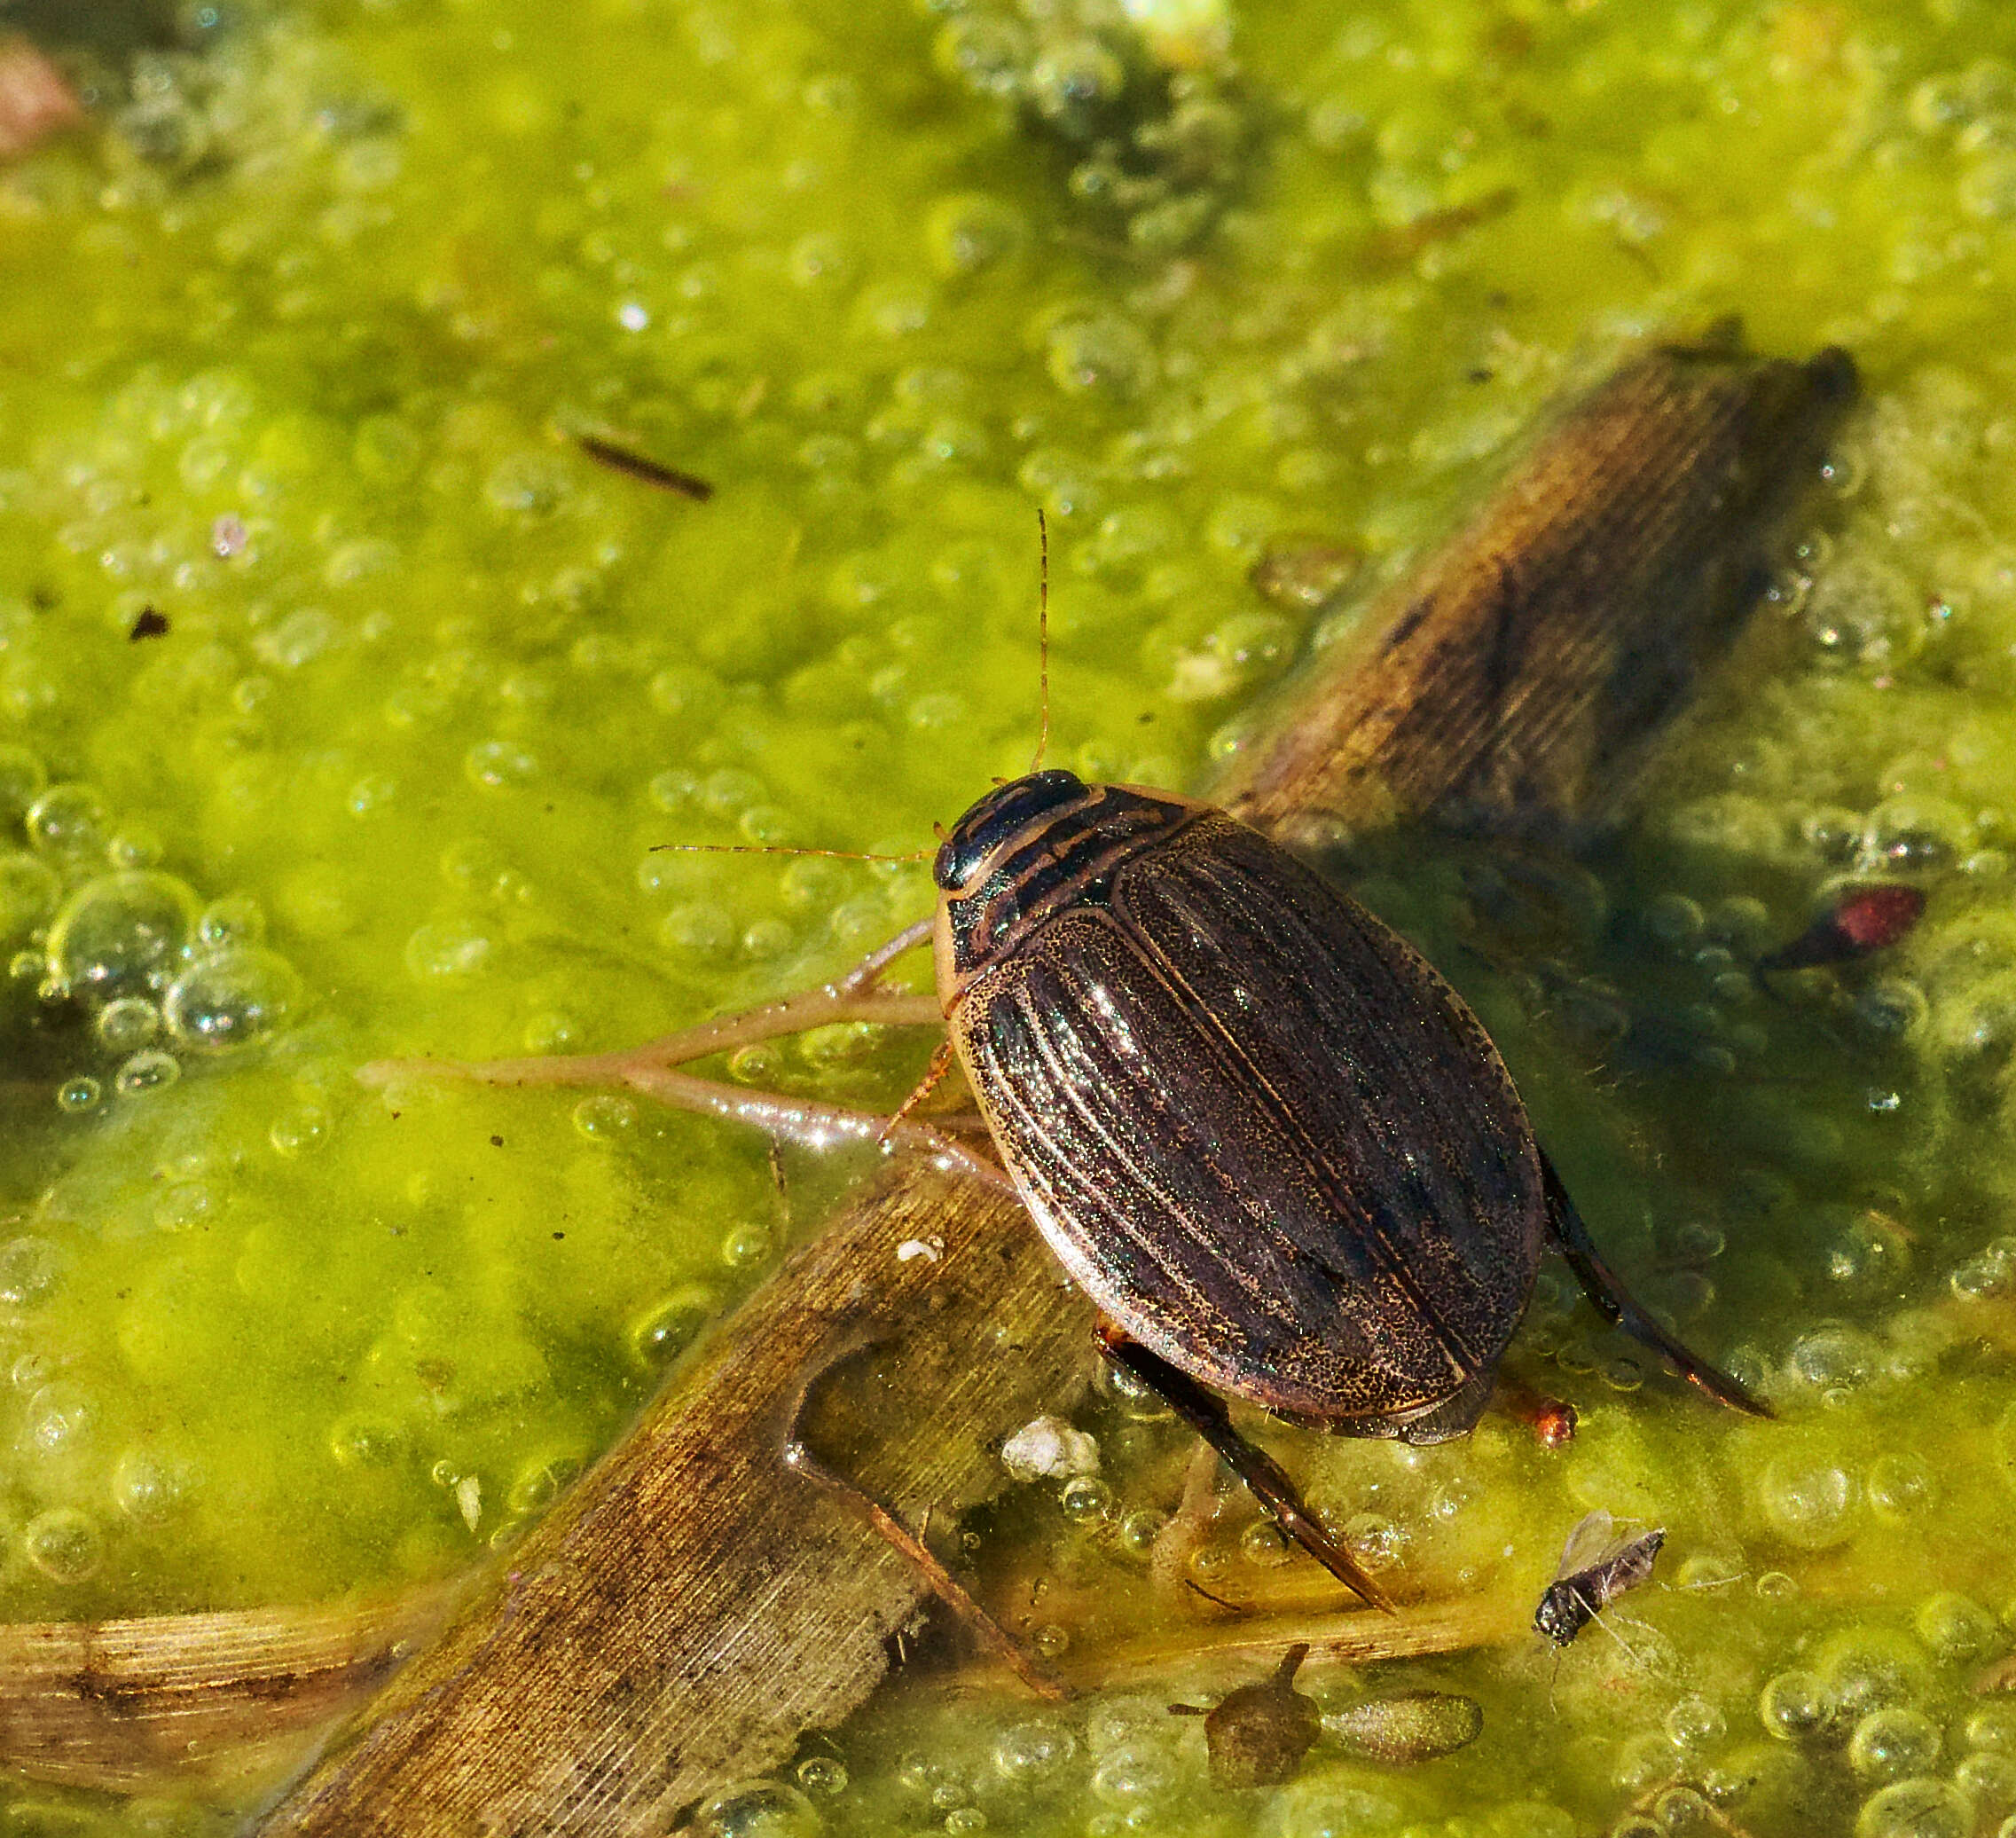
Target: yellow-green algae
x,y
294,340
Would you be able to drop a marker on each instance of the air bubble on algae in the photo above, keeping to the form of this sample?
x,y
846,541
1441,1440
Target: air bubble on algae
x,y
64,1544
230,998
121,934
146,1072
757,1809
30,1268
1919,1808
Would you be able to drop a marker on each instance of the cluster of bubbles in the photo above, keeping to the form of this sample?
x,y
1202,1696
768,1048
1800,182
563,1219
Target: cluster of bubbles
x,y
90,923
1868,1702
1142,94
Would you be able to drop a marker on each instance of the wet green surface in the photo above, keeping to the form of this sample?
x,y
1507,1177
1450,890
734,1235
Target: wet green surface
x,y
291,345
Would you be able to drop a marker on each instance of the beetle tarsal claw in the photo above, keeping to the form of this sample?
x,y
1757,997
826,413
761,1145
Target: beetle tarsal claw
x,y
1618,1305
1265,1478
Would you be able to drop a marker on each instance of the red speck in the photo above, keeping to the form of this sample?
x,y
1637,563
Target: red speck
x,y
1554,1424
36,102
1872,917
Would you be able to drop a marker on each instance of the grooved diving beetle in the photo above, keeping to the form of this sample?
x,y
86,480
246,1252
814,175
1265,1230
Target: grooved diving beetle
x,y
1263,1134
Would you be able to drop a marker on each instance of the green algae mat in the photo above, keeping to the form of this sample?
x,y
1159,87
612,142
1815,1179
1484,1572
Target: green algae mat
x,y
344,695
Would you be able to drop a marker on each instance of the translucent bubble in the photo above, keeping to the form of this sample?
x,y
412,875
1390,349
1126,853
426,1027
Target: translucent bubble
x,y
1807,1501
605,1118
68,821
235,919
230,998
1988,1780
757,1809
747,1245
296,1130
1134,1774
824,1774
1104,355
1890,1744
1902,1488
1867,1668
448,949
1074,76
130,1023
666,1328
1916,1809
1318,1808
963,1820
366,1442
1029,1753
59,1417
498,765
30,1268
79,1096
145,1073
539,1483
1987,188
1121,1720
1683,1812
700,930
147,1487
1085,1499
1955,1628
1140,1530
1891,1007
984,52
1262,1544
29,889
1694,1722
121,934
1795,1706
970,230
1866,612
1990,1273
1992,1726
1835,1356
64,1544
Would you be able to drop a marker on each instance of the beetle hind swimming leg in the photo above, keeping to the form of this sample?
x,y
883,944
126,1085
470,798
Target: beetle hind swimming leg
x,y
1616,1305
1205,1413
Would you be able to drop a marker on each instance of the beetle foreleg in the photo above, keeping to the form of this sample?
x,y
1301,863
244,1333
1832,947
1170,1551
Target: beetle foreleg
x,y
1617,1306
1265,1478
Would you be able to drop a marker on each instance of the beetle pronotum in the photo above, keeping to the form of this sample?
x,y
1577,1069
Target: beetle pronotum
x,y
1269,1142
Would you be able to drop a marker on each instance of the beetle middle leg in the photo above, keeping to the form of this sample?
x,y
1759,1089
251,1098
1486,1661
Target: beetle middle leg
x,y
1205,1413
1616,1305
801,1460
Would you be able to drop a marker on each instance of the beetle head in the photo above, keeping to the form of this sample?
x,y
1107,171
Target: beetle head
x,y
1000,817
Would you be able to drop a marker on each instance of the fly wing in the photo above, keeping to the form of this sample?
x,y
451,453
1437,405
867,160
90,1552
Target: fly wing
x,y
1593,1540
1263,1136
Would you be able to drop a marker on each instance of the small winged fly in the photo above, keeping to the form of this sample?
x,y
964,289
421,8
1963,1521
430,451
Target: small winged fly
x,y
1597,1567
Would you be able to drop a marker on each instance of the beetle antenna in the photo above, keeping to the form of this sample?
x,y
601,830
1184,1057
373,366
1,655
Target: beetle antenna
x,y
779,849
1042,636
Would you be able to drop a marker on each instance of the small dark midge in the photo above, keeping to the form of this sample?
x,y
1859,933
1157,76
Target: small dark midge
x,y
639,466
1596,1569
152,623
